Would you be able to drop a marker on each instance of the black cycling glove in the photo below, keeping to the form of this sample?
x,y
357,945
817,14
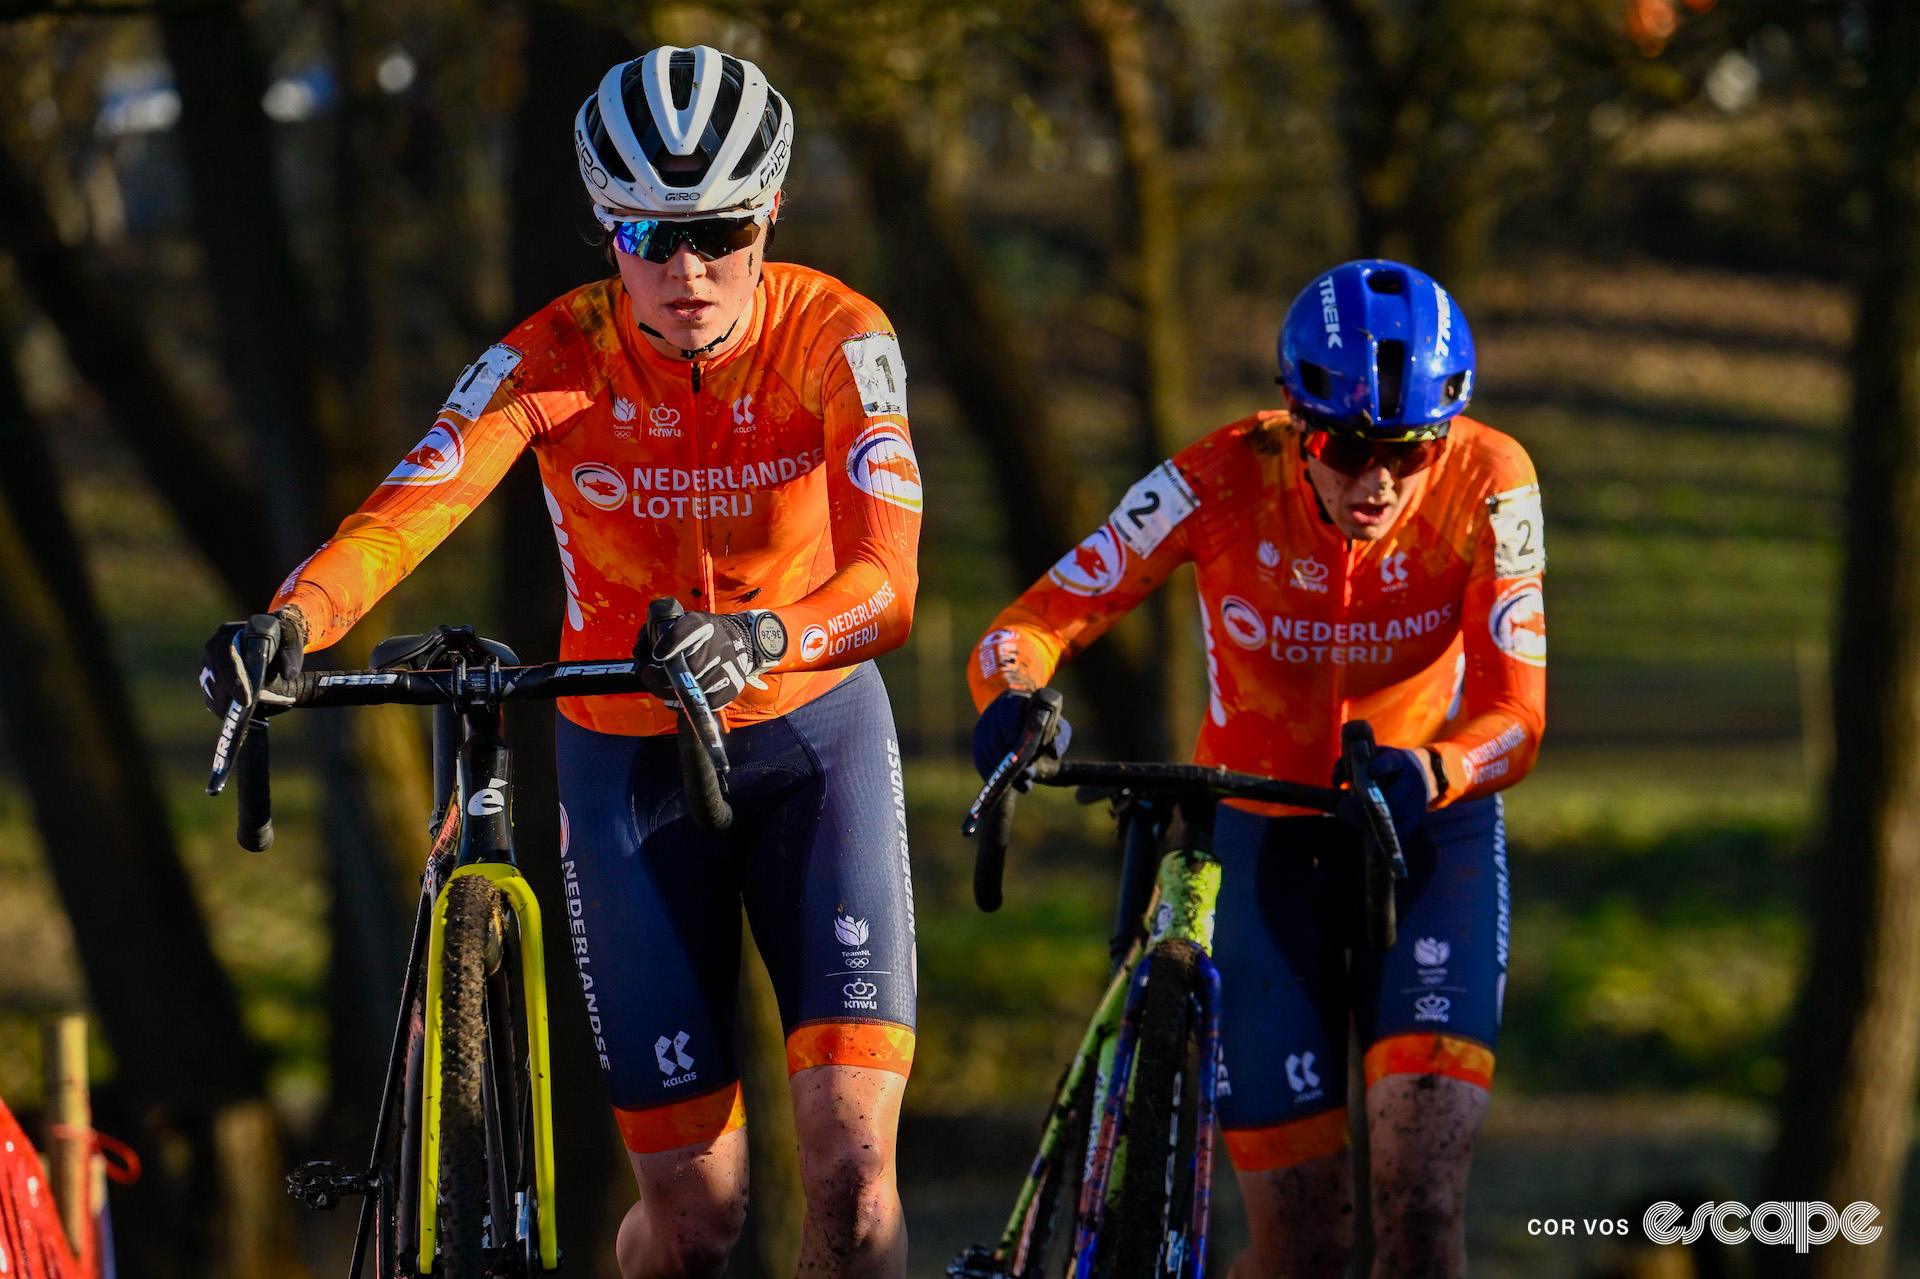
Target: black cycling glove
x,y
997,732
1397,772
725,651
223,676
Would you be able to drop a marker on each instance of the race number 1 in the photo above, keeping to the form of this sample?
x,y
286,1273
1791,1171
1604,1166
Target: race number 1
x,y
1152,509
1519,549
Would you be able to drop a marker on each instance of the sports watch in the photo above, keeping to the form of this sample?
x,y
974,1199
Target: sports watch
x,y
769,639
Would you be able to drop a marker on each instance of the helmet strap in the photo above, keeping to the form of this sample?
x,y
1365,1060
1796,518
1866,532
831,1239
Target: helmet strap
x,y
685,354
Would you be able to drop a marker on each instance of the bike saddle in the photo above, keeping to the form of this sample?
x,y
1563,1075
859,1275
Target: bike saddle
x,y
424,652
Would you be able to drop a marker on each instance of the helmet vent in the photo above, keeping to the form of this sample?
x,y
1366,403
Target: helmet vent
x,y
1392,367
1314,378
1453,387
609,155
1389,282
680,79
762,139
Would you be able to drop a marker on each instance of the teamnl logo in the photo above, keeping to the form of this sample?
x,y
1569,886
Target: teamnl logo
x,y
1802,1224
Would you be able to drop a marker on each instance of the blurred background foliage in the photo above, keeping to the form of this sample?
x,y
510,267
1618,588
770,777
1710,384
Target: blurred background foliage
x,y
1654,251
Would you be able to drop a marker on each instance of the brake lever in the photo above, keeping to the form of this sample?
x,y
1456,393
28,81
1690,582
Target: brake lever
x,y
255,643
1042,714
693,700
1380,819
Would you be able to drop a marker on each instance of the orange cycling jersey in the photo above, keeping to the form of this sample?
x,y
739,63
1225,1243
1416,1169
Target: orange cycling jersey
x,y
778,475
1436,633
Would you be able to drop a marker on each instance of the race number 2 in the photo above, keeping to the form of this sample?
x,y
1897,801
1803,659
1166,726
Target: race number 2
x,y
1519,549
1152,509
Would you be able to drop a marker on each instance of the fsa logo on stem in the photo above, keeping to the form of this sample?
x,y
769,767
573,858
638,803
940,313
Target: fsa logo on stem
x,y
600,485
1094,567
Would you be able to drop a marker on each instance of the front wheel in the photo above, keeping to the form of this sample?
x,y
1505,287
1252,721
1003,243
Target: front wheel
x,y
473,933
1143,1217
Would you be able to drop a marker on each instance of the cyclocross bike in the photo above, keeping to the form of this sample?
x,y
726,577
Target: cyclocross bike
x,y
461,1181
1128,1138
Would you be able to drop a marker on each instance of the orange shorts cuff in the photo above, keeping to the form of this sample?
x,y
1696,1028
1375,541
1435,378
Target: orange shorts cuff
x,y
876,1045
1455,1058
692,1122
1284,1145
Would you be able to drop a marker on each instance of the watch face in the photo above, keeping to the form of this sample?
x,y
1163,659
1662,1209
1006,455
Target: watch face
x,y
770,636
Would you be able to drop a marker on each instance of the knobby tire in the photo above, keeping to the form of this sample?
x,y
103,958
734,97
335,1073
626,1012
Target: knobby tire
x,y
1137,1220
472,929
1060,1190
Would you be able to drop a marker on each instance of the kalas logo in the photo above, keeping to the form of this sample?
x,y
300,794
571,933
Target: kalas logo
x,y
434,459
600,485
1094,567
1243,623
849,931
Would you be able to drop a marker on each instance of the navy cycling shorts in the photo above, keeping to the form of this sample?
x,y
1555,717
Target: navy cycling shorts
x,y
818,856
1296,968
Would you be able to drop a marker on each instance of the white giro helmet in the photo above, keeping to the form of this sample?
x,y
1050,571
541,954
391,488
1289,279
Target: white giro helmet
x,y
683,132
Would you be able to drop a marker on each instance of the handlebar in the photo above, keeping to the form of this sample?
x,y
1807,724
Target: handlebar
x,y
703,757
993,807
241,750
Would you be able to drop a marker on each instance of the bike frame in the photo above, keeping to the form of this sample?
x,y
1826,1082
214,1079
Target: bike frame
x,y
1181,909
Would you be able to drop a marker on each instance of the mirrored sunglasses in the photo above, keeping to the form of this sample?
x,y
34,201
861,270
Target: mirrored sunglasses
x,y
658,239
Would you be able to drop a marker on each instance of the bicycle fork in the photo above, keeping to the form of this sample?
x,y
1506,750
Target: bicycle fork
x,y
526,908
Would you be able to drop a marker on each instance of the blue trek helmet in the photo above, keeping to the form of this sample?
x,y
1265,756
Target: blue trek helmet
x,y
1377,349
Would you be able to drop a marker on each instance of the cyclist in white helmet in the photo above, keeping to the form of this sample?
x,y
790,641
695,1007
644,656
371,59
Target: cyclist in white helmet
x,y
731,433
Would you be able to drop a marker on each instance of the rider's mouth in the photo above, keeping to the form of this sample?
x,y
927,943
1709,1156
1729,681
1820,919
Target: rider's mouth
x,y
1367,514
689,310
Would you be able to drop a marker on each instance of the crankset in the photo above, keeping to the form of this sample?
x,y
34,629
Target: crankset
x,y
323,1185
978,1262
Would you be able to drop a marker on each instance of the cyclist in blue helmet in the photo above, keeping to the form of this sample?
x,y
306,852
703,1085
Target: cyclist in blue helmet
x,y
1369,553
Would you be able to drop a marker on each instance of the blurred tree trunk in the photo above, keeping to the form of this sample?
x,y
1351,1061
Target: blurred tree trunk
x,y
267,342
1418,194
1160,313
214,503
273,361
185,1063
943,291
563,58
1846,1109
